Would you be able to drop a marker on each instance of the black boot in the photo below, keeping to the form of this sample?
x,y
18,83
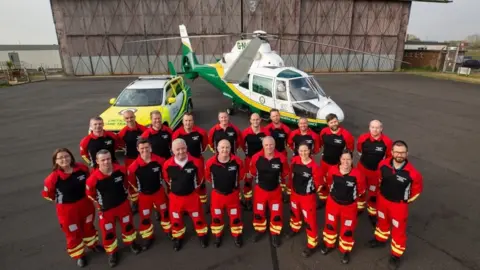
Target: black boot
x,y
177,244
218,241
258,236
135,248
81,262
276,241
97,249
169,236
290,234
374,243
324,249
148,243
113,259
394,262
204,241
238,241
346,258
307,252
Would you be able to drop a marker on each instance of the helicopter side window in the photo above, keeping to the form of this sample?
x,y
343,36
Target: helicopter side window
x,y
244,83
262,86
281,91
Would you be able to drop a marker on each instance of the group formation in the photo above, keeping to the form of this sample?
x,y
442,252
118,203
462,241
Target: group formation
x,y
164,174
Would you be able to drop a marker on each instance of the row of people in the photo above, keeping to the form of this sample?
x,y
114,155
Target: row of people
x,y
107,188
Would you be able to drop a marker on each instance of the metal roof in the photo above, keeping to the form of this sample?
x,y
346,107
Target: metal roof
x,y
29,47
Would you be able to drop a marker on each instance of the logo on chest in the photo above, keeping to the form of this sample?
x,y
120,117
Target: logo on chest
x,y
338,141
350,184
306,175
309,141
379,149
281,135
109,142
81,178
118,179
232,168
165,136
276,166
156,169
195,138
231,134
189,170
401,178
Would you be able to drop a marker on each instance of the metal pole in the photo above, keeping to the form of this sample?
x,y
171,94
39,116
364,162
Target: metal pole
x,y
455,59
445,60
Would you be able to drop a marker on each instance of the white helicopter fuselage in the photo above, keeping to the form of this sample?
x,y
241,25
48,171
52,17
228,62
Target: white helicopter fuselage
x,y
300,95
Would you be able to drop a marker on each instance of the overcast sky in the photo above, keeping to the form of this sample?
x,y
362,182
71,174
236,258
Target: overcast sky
x,y
31,22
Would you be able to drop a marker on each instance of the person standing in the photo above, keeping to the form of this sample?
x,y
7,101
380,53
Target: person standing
x,y
225,171
373,147
129,136
252,144
400,185
145,178
225,130
346,185
269,169
334,139
65,185
183,174
303,134
279,131
159,136
305,181
107,187
197,141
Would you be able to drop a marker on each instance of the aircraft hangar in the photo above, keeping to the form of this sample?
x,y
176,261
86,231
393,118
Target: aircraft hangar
x,y
92,33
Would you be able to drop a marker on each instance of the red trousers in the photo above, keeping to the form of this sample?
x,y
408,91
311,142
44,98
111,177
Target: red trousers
x,y
191,204
131,192
146,203
76,220
108,219
347,215
306,206
372,189
202,190
324,167
230,203
395,215
272,199
247,184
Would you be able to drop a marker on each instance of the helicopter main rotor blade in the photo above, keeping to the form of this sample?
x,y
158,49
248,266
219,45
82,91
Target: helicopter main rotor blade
x,y
339,47
170,38
240,67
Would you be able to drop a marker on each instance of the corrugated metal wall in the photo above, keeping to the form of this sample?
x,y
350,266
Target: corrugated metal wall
x,y
92,33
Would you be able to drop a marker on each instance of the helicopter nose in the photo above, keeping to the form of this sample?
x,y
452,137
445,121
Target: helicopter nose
x,y
331,108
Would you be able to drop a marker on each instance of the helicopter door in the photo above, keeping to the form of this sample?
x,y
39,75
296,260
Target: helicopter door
x,y
281,95
262,91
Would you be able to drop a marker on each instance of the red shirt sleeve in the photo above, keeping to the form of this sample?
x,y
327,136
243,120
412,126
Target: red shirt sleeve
x,y
242,169
285,170
200,170
417,185
329,178
290,142
145,134
49,186
204,139
176,134
244,136
318,180
320,139
84,148
166,177
361,182
290,174
316,144
121,134
388,142
131,175
210,138
239,137
91,189
253,164
208,175
349,140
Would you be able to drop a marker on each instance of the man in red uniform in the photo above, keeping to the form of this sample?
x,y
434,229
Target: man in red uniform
x,y
107,187
373,148
129,136
225,171
279,131
269,169
145,177
183,174
197,141
159,136
346,185
305,181
252,144
400,184
225,130
334,139
97,140
303,134
65,185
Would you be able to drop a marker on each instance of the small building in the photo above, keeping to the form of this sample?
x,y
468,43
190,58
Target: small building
x,y
429,55
32,56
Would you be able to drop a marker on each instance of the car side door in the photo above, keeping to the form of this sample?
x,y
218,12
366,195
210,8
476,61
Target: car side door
x,y
172,102
262,90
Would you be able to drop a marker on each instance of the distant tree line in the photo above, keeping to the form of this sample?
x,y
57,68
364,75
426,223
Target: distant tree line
x,y
472,40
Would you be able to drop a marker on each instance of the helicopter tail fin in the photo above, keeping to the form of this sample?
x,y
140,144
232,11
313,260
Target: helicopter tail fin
x,y
189,59
171,68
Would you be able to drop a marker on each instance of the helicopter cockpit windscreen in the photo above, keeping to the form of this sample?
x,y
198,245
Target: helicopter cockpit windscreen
x,y
317,86
302,89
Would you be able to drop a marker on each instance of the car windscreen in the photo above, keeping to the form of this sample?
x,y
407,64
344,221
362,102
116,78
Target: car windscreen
x,y
301,89
140,97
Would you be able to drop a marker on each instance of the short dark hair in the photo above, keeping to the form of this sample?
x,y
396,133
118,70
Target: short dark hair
x,y
188,114
274,110
142,141
346,151
330,117
400,143
305,144
155,112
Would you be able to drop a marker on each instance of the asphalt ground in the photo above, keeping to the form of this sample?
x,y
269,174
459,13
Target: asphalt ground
x,y
437,118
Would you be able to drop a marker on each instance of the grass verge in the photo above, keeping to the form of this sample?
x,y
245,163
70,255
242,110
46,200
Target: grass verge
x,y
473,78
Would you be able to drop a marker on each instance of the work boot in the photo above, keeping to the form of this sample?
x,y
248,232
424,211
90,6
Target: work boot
x,y
290,234
97,249
148,243
373,220
374,243
81,262
346,258
238,241
135,248
177,244
218,241
204,241
307,252
169,236
258,236
394,262
324,249
276,241
113,259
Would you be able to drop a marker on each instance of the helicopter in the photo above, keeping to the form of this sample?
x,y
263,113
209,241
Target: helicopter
x,y
256,80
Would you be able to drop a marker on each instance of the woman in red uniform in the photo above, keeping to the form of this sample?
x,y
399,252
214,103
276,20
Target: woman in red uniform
x,y
305,182
66,186
346,184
